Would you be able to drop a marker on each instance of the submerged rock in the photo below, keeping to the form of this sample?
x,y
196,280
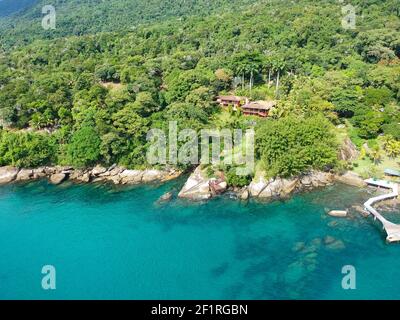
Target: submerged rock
x,y
329,240
333,224
295,272
166,197
310,248
298,246
316,242
360,210
336,245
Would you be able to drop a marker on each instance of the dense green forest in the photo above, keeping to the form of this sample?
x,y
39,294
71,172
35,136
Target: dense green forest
x,y
87,99
78,17
8,7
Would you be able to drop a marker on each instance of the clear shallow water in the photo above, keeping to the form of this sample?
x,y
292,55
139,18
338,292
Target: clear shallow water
x,y
118,243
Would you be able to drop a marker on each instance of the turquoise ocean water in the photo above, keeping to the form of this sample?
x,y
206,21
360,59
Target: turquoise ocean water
x,y
110,242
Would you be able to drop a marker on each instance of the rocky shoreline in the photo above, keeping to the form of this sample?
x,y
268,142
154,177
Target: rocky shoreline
x,y
200,187
115,174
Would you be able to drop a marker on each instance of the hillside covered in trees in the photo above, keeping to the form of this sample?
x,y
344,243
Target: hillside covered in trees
x,y
9,7
79,17
91,97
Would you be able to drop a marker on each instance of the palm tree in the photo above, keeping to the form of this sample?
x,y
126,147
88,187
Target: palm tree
x,y
241,70
376,155
386,140
278,66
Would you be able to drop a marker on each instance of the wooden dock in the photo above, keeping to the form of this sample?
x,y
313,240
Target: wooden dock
x,y
392,229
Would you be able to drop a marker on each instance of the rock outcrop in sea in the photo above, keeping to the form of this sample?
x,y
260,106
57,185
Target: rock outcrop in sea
x,y
200,187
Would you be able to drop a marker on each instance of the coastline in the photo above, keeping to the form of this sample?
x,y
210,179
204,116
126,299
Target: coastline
x,y
59,174
198,187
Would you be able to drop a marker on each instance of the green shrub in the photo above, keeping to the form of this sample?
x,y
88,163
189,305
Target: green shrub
x,y
84,148
392,129
23,149
235,180
290,146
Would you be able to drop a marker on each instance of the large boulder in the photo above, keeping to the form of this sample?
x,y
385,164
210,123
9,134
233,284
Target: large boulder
x,y
131,176
58,178
152,176
244,194
171,175
84,177
25,175
8,174
321,179
76,174
197,187
39,173
218,186
116,179
49,170
67,170
273,189
258,185
279,187
352,179
98,170
115,171
289,186
262,188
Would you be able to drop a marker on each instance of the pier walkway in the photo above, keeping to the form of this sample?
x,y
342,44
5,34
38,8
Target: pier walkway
x,y
392,229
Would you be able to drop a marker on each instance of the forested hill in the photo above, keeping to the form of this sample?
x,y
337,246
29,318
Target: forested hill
x,y
78,17
98,95
8,7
